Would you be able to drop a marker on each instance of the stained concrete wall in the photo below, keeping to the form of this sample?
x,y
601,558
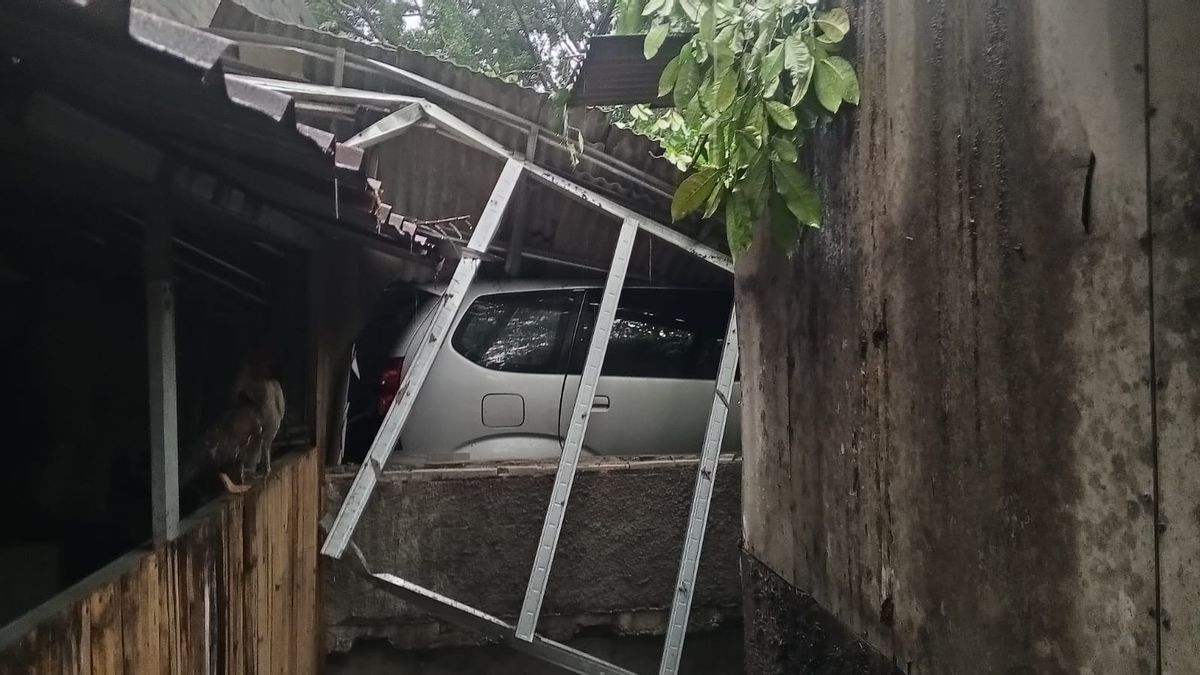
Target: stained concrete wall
x,y
470,533
1174,181
950,424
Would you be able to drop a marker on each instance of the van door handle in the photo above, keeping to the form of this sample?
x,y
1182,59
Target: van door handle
x,y
600,403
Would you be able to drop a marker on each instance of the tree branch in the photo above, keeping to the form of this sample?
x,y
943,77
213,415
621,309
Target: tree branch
x,y
537,57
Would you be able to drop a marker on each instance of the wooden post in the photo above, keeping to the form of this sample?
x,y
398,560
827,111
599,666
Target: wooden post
x,y
160,331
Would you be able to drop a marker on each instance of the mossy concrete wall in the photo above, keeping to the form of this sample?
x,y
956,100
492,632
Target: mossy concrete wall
x,y
971,401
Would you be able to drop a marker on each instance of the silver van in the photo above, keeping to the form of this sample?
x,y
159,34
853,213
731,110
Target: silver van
x,y
504,385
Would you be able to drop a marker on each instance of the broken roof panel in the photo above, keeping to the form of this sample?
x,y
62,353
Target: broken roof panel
x,y
427,176
615,71
164,81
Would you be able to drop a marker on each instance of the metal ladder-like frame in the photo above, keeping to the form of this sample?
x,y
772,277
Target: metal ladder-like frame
x,y
523,635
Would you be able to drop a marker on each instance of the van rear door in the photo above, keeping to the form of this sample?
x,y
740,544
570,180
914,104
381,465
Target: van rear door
x,y
659,375
493,392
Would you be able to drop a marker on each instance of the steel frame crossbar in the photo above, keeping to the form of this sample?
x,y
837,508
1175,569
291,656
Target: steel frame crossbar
x,y
523,636
706,476
580,414
397,415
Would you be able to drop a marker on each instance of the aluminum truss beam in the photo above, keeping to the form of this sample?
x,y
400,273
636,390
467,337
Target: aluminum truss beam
x,y
397,415
706,476
388,128
557,510
452,611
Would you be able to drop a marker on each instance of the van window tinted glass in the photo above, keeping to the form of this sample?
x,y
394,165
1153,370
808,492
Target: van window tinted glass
x,y
661,333
517,332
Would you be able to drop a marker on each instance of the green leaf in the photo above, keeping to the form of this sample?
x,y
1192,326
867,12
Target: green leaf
x,y
772,67
653,7
691,8
714,200
788,179
834,24
725,37
799,61
708,24
766,34
829,86
747,151
723,57
666,81
654,40
630,18
849,80
725,8
693,192
754,181
784,149
798,191
739,228
687,82
781,115
783,226
726,90
708,93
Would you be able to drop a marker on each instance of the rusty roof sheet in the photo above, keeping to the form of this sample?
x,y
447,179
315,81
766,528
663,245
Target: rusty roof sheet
x,y
160,79
615,71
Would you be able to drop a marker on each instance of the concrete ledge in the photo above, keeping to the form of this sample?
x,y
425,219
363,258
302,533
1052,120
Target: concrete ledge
x,y
469,532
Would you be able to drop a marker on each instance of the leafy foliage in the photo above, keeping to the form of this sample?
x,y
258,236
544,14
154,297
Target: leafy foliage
x,y
533,42
749,88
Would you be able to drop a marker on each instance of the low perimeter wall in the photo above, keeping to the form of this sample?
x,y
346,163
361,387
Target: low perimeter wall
x,y
469,532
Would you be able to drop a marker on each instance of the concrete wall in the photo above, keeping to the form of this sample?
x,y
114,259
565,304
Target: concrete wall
x,y
470,533
950,424
1174,165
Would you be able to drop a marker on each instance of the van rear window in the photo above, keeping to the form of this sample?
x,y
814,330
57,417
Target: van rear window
x,y
659,333
517,332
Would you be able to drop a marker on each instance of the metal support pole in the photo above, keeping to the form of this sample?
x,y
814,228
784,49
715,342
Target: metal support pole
x,y
556,511
339,66
397,415
706,476
516,237
164,411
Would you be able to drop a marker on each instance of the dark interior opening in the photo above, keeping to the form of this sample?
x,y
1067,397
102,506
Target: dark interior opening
x,y
74,407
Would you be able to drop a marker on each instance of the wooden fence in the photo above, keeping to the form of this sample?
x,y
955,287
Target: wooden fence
x,y
235,593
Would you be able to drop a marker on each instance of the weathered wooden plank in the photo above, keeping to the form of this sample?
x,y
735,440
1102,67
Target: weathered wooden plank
x,y
258,595
141,647
308,559
235,593
231,597
279,517
102,637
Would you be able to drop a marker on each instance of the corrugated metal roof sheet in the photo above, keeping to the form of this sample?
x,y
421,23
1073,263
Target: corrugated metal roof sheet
x,y
200,12
615,71
161,80
428,176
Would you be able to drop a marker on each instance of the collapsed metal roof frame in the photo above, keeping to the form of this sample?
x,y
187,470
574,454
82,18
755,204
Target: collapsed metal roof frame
x,y
409,113
535,131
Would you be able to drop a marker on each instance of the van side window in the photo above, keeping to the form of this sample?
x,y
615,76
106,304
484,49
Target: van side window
x,y
659,333
517,332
